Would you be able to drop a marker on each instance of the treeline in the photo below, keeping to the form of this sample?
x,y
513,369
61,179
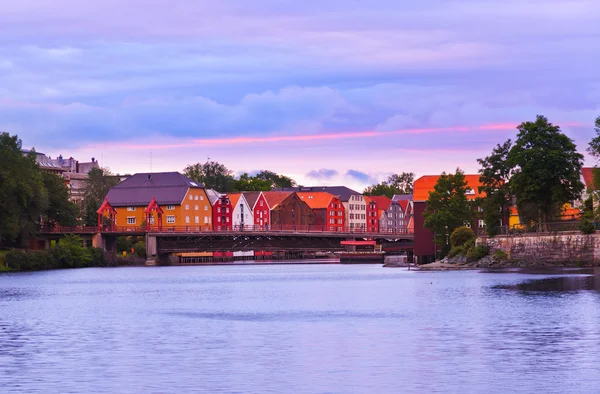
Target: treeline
x,y
68,253
539,173
215,175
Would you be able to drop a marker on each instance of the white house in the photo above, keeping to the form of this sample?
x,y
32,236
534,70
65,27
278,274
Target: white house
x,y
243,216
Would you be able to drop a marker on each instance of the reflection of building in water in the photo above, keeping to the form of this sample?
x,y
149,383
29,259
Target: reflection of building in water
x,y
75,173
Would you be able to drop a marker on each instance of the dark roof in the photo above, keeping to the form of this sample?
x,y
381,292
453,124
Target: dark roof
x,y
169,188
342,192
402,197
251,198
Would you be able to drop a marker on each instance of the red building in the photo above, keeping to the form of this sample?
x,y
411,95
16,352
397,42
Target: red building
x,y
222,213
372,215
329,210
260,209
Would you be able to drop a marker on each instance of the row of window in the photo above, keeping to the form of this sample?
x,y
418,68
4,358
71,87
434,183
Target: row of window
x,y
358,216
358,207
196,198
333,205
170,219
333,221
333,213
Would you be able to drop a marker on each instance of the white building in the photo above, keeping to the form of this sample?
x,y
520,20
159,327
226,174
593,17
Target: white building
x,y
243,216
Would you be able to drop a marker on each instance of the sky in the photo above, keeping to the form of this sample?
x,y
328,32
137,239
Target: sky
x,y
327,92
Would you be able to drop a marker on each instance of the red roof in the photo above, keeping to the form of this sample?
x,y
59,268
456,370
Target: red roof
x,y
275,198
588,177
383,202
426,184
403,204
316,200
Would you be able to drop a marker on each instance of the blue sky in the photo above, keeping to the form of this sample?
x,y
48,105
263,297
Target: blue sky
x,y
328,92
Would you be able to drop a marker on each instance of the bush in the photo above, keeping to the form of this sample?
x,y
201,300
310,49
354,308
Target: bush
x,y
500,255
461,236
478,252
587,226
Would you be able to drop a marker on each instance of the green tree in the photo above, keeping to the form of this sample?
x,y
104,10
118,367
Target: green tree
x,y
448,207
23,198
395,184
249,183
495,177
277,180
212,174
97,185
547,171
594,145
60,210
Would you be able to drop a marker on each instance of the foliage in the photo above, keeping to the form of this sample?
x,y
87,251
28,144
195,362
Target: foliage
x,y
478,252
461,236
60,210
97,185
500,255
23,198
547,170
139,248
495,177
587,226
251,183
276,180
594,145
448,207
395,184
70,252
212,174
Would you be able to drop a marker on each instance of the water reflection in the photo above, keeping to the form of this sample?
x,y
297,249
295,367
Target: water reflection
x,y
557,284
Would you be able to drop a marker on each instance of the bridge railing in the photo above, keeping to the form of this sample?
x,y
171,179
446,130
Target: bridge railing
x,y
278,228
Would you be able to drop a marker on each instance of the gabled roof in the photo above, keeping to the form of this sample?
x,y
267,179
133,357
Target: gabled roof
x,y
403,204
169,188
383,202
316,200
402,197
426,184
587,174
275,198
342,192
212,195
251,198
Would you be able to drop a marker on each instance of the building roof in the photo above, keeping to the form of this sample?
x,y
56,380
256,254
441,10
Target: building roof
x,y
403,204
212,195
316,200
342,192
383,202
169,188
588,177
426,184
402,197
275,198
234,198
251,198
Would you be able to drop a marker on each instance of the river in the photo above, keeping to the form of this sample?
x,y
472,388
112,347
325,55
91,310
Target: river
x,y
299,329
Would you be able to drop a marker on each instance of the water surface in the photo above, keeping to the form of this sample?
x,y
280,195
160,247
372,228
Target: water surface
x,y
299,329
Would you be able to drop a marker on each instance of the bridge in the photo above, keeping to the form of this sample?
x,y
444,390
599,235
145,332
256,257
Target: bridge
x,y
184,239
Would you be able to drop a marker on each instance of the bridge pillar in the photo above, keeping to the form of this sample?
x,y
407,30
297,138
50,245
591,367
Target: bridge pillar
x,y
98,241
151,250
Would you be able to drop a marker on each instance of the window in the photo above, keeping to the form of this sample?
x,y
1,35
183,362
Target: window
x,y
351,216
187,207
131,220
332,221
339,221
191,197
170,219
261,203
351,207
195,198
197,219
206,207
195,207
151,219
206,220
332,205
227,219
131,209
170,207
218,219
332,213
201,198
226,210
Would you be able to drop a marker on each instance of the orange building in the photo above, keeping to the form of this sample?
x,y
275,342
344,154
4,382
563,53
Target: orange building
x,y
328,209
183,201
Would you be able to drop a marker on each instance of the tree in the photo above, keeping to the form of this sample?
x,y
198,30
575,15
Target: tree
x,y
97,185
495,177
547,170
212,174
23,198
60,210
276,180
249,183
395,184
448,207
594,145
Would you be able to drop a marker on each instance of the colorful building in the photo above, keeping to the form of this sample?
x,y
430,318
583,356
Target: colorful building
x,y
406,204
260,209
242,216
372,215
391,215
222,210
183,201
287,210
328,209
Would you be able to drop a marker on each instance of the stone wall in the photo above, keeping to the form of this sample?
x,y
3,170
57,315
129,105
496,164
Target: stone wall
x,y
562,248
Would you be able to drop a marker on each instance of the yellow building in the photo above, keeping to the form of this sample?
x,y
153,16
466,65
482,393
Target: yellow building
x,y
183,201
